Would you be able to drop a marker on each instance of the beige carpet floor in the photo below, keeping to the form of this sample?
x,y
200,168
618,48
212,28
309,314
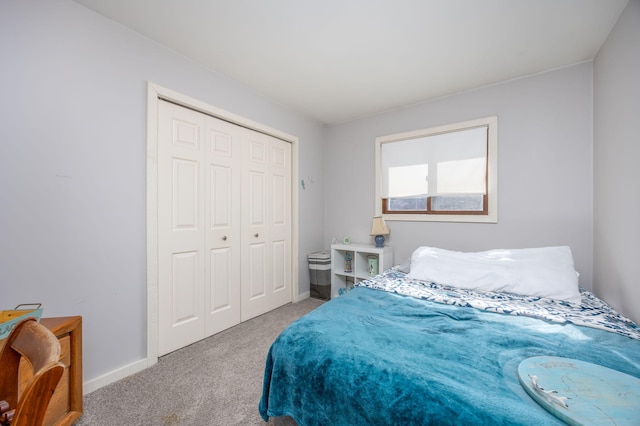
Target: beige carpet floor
x,y
217,381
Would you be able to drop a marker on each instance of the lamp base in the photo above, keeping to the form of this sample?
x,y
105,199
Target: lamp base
x,y
379,241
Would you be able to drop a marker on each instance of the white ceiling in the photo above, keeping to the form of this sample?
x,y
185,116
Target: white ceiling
x,y
339,60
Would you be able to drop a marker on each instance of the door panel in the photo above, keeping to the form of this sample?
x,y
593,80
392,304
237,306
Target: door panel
x,y
280,222
257,193
180,245
267,220
187,129
257,261
224,294
221,298
185,194
279,278
221,196
222,236
185,288
255,296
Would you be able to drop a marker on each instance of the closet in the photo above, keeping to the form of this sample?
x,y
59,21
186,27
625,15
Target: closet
x,y
224,225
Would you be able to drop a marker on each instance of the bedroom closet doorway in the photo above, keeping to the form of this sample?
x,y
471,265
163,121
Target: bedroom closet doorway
x,y
224,225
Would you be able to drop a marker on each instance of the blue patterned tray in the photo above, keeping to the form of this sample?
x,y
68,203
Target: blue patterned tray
x,y
581,393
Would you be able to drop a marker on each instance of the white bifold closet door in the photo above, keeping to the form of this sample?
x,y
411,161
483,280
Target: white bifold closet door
x,y
266,224
224,237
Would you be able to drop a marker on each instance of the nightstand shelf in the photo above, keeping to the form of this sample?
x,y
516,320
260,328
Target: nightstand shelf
x,y
360,253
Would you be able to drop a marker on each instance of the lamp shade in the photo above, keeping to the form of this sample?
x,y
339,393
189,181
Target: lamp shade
x,y
379,227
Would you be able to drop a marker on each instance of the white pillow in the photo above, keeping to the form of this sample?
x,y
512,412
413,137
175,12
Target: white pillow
x,y
404,266
544,272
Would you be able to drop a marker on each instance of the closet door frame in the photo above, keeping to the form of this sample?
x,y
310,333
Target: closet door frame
x,y
156,92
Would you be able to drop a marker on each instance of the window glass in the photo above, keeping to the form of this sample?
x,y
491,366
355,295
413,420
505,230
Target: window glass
x,y
443,173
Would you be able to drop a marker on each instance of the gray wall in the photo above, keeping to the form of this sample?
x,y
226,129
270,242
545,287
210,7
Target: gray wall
x,y
544,169
72,167
616,156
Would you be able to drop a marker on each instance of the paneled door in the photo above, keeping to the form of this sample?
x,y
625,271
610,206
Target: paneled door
x,y
223,159
224,201
181,252
266,232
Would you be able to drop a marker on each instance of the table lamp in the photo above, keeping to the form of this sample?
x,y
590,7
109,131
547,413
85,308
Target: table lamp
x,y
379,229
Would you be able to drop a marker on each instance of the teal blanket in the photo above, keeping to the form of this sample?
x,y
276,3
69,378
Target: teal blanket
x,y
372,357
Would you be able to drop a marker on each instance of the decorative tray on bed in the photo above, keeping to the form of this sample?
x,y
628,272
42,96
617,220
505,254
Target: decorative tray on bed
x,y
581,393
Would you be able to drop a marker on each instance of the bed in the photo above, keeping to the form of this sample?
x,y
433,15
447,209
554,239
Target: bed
x,y
402,350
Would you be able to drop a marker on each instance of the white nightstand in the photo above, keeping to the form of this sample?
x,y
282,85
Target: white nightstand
x,y
359,264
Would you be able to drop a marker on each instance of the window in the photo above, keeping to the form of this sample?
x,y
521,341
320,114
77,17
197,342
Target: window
x,y
446,173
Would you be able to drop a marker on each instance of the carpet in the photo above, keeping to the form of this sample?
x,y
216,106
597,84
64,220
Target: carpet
x,y
216,381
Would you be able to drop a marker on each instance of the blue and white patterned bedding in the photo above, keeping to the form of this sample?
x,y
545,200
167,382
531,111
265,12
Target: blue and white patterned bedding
x,y
592,312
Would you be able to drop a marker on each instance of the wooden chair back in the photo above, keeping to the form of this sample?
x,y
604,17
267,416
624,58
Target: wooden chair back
x,y
39,347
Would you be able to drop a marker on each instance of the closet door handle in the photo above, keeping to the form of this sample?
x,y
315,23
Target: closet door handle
x,y
224,238
256,235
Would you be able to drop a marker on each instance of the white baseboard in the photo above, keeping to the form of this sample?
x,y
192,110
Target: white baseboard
x,y
114,376
300,297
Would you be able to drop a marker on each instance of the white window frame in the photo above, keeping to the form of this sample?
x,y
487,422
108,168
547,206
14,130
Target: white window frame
x,y
492,172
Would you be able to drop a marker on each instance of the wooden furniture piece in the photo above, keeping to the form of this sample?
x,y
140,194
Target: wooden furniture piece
x,y
65,406
32,344
359,264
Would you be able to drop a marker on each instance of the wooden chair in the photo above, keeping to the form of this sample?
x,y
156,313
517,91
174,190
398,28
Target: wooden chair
x,y
41,350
